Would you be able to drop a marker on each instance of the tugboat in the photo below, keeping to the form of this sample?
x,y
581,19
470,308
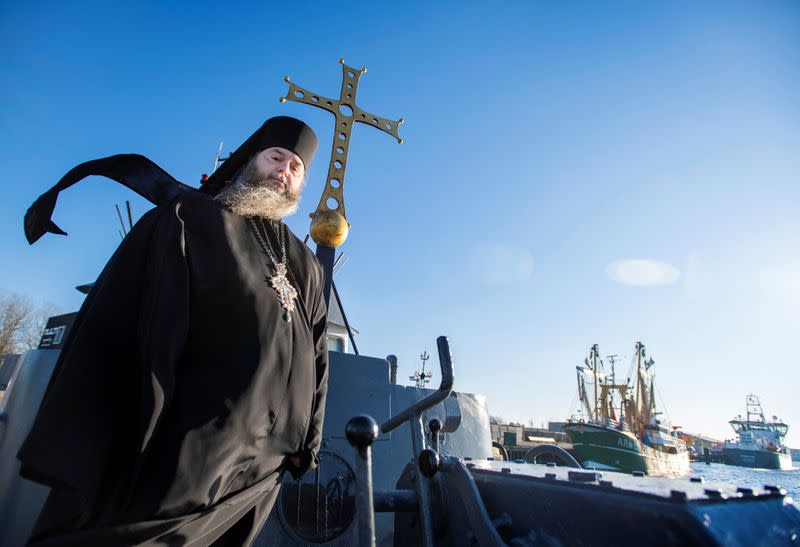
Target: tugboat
x,y
760,443
624,432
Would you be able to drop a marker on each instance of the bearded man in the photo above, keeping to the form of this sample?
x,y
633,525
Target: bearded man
x,y
196,371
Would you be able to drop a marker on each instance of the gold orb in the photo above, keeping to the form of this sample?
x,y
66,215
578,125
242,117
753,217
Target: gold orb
x,y
329,228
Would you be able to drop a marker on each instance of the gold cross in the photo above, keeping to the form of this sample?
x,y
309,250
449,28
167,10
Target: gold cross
x,y
347,114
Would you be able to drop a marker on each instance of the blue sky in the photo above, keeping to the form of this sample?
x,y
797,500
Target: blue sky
x,y
548,148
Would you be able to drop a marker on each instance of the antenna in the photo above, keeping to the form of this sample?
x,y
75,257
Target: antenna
x,y
124,231
613,359
420,378
338,269
130,218
119,214
338,259
219,153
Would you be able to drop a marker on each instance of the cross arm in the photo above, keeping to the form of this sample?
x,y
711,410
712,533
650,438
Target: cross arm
x,y
301,95
384,124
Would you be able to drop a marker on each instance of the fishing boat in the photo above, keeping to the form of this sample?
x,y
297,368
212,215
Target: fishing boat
x,y
618,427
759,443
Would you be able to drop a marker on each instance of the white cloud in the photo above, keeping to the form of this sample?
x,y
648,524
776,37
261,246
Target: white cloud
x,y
503,264
642,272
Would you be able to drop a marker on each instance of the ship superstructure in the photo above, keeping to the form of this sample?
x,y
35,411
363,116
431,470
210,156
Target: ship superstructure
x,y
759,443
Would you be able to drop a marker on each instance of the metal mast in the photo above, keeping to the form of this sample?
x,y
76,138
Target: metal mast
x,y
594,367
638,379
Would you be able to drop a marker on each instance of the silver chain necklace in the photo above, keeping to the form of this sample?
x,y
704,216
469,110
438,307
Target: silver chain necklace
x,y
287,294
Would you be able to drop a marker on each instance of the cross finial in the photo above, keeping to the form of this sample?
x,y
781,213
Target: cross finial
x,y
329,226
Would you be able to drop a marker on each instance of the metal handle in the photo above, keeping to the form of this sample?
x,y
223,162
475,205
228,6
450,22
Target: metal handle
x,y
413,415
445,388
361,432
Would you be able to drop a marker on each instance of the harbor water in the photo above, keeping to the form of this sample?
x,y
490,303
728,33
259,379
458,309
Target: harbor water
x,y
789,480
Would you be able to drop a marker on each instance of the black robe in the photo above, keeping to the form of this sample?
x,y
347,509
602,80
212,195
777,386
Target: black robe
x,y
182,389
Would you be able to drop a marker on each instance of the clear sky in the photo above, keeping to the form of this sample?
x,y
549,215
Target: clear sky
x,y
572,173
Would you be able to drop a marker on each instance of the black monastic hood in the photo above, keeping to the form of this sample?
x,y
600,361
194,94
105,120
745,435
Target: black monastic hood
x,y
154,184
283,131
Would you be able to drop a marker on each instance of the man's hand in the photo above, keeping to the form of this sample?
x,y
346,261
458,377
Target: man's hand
x,y
297,464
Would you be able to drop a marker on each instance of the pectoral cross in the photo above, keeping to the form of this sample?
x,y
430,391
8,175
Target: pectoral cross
x,y
286,293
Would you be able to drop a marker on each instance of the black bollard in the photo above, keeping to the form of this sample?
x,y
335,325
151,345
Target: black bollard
x,y
361,432
429,463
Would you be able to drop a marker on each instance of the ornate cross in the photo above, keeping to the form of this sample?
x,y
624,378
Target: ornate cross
x,y
287,294
347,114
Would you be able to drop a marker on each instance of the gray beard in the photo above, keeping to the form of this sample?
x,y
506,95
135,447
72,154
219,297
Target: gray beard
x,y
257,200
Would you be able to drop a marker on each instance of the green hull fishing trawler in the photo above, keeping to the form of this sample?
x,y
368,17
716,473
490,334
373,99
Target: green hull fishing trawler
x,y
621,429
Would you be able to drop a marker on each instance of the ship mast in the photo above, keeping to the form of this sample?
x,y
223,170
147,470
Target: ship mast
x,y
594,368
421,378
653,398
638,382
754,408
613,358
645,384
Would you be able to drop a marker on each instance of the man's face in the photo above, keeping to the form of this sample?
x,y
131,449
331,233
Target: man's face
x,y
269,186
280,169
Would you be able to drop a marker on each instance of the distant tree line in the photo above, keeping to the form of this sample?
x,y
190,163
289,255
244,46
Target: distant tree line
x,y
21,322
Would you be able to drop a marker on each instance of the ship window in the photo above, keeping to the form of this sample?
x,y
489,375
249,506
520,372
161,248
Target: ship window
x,y
335,343
320,507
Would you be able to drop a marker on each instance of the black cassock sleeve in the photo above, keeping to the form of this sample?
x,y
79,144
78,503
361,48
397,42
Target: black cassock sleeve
x,y
114,377
319,318
314,437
